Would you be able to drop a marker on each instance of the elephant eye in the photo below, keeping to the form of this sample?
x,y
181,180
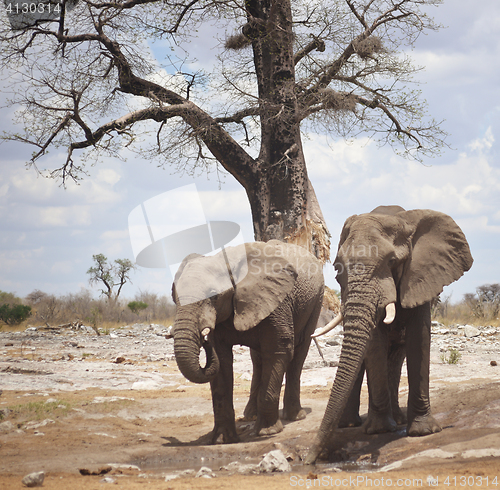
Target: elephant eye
x,y
392,262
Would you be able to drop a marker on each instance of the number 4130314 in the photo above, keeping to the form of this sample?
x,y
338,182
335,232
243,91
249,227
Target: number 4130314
x,y
33,8
471,481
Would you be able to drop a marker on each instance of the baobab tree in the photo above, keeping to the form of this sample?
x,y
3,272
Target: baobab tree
x,y
87,78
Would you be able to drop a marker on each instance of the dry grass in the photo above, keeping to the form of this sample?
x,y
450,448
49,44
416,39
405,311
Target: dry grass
x,y
101,314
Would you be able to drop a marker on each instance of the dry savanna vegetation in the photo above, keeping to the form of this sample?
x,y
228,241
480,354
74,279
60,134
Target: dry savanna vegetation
x,y
103,314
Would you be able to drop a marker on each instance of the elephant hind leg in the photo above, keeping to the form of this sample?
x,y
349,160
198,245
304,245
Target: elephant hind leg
x,y
273,371
250,412
292,409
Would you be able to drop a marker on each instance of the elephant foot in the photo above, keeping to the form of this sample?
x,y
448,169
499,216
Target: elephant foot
x,y
350,420
423,425
224,435
379,423
269,430
399,416
248,417
250,412
294,414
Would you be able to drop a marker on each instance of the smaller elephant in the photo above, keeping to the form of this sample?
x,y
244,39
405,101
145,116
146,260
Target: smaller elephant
x,y
390,264
266,296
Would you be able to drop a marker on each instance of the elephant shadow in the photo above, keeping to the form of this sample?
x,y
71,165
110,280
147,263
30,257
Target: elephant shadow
x,y
245,429
353,445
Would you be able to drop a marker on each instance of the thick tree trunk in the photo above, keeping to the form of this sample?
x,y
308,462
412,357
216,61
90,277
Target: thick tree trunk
x,y
282,199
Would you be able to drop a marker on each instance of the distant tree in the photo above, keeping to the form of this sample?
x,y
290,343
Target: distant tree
x,y
489,296
12,312
47,307
15,314
137,306
9,298
87,79
485,304
112,276
36,296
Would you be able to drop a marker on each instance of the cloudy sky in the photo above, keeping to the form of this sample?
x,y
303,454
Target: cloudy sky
x,y
48,234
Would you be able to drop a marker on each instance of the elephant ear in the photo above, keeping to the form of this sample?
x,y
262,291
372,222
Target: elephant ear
x,y
178,274
270,278
440,255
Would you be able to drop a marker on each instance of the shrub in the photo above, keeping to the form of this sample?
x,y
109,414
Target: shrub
x,y
137,306
14,315
453,356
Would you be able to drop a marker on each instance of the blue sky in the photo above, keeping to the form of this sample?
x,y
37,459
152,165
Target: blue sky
x,y
48,234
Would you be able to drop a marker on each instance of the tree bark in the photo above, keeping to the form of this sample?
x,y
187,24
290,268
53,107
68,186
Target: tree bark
x,y
282,199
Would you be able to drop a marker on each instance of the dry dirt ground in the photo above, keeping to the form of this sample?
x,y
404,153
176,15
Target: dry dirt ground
x,y
117,404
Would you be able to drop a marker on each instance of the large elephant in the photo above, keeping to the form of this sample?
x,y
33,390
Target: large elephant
x,y
266,296
390,264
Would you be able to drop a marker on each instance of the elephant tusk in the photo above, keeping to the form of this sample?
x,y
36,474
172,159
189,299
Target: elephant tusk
x,y
390,313
329,326
205,332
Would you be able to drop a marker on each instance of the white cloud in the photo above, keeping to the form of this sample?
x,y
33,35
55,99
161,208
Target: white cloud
x,y
62,267
64,216
108,176
225,203
467,186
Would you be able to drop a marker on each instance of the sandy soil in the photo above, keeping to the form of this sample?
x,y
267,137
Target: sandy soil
x,y
116,405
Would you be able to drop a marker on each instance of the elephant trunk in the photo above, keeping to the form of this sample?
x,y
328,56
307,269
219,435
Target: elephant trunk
x,y
187,344
359,321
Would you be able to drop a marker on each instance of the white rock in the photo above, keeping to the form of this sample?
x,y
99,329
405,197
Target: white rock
x,y
205,472
471,331
171,477
187,473
274,461
148,384
108,479
34,479
7,426
36,425
242,469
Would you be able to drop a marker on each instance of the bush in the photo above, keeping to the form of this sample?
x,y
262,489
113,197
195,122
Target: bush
x,y
137,306
82,306
453,356
14,315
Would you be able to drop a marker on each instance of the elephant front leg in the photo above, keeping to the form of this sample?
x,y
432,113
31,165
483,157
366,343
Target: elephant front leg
x,y
418,346
397,354
380,417
222,398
